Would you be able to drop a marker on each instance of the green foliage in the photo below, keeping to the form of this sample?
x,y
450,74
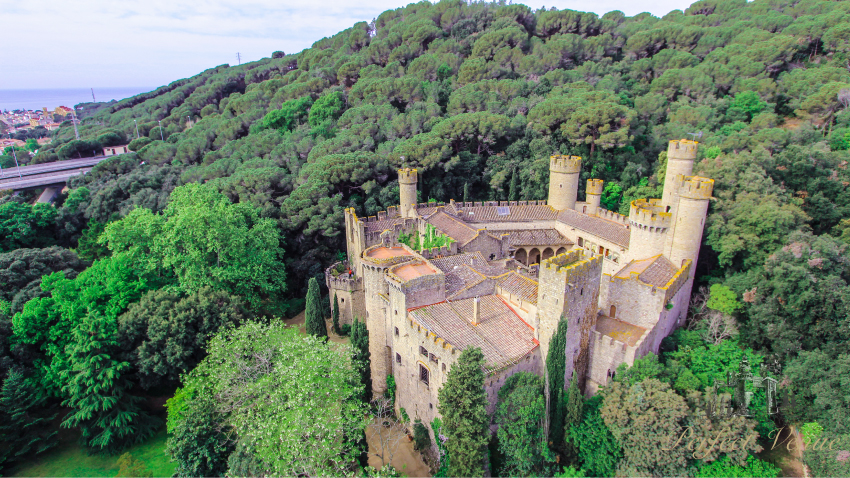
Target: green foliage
x,y
335,315
139,143
723,468
598,451
723,299
611,196
22,225
314,314
462,405
25,428
271,374
391,387
328,107
555,371
830,456
570,472
811,431
289,114
746,104
520,414
421,437
361,358
198,440
202,239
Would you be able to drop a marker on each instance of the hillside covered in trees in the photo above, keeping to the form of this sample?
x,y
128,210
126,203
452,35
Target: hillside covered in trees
x,y
236,200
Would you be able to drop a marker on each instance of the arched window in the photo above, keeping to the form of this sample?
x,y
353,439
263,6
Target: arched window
x,y
613,311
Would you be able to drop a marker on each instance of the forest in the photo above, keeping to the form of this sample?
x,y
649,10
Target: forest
x,y
232,201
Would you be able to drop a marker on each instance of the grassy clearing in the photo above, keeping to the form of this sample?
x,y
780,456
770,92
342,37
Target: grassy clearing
x,y
72,460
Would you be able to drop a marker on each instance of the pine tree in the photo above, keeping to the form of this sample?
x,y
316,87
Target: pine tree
x,y
315,323
25,428
513,192
465,192
97,388
360,343
555,363
335,314
465,419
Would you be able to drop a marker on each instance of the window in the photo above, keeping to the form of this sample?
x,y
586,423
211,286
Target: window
x,y
423,374
342,300
396,331
397,358
422,351
431,406
444,367
581,242
432,357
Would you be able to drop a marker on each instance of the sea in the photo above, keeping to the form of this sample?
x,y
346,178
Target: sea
x,y
51,98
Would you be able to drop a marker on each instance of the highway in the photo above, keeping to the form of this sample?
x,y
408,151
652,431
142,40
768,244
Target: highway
x,y
45,174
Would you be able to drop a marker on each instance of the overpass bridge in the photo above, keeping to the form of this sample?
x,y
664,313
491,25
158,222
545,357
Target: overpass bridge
x,y
47,174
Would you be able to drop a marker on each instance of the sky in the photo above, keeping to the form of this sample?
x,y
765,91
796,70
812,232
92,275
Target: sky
x,y
117,43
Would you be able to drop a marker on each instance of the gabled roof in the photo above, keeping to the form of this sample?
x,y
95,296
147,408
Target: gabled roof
x,y
535,237
656,270
520,286
502,335
613,231
452,227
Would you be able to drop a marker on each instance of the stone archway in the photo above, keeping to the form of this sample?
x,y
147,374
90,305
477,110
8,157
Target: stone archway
x,y
521,256
561,250
534,256
547,253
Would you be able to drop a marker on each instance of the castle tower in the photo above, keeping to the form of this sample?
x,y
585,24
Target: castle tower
x,y
407,179
694,194
594,195
569,290
649,226
563,181
680,162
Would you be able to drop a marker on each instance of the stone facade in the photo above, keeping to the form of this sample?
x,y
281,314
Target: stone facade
x,y
515,270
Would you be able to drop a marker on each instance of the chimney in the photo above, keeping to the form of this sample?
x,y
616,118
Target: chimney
x,y
476,311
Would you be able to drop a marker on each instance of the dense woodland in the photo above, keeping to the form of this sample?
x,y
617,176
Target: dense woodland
x,y
224,212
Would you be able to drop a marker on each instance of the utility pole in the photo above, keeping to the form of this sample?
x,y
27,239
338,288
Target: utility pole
x,y
160,130
137,128
74,120
92,96
16,158
238,57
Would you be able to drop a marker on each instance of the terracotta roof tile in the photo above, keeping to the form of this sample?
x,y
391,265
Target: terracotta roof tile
x,y
515,213
502,336
534,237
520,286
610,230
655,270
452,227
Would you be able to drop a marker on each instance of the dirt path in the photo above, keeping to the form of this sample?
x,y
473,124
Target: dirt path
x,y
404,458
299,320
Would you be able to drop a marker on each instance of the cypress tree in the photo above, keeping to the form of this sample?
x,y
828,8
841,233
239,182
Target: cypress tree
x,y
466,192
25,428
555,363
573,408
360,343
314,321
465,419
335,314
513,192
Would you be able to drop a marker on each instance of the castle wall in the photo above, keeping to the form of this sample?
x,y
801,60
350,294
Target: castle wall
x,y
635,303
568,289
563,181
487,244
377,322
607,354
350,296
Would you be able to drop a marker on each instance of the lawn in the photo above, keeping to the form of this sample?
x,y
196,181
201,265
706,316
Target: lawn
x,y
70,459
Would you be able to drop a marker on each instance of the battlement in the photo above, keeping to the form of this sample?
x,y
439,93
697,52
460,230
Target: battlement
x,y
677,281
682,149
594,186
695,187
573,264
343,280
407,176
649,213
612,216
563,259
565,164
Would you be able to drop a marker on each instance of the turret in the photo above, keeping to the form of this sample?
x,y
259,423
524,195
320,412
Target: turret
x,y
407,179
694,194
594,194
680,162
563,181
648,226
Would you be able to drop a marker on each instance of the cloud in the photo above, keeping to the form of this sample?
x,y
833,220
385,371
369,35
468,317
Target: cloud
x,y
113,43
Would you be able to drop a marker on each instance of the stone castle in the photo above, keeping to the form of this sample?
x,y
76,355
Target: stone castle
x,y
511,271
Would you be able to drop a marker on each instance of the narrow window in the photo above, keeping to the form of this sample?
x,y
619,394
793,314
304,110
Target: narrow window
x,y
444,367
431,406
396,331
422,351
432,357
397,358
423,374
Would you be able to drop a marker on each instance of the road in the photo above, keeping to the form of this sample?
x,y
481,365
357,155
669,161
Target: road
x,y
45,174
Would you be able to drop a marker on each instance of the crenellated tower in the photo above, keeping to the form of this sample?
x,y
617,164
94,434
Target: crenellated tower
x,y
594,195
694,194
649,226
568,290
563,181
407,180
681,155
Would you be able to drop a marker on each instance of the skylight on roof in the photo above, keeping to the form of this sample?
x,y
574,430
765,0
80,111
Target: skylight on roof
x,y
503,210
